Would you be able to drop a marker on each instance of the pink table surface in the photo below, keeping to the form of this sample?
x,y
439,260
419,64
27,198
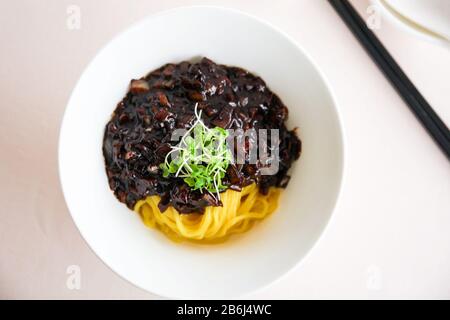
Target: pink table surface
x,y
390,234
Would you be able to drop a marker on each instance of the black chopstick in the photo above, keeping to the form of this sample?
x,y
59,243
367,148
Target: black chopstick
x,y
392,71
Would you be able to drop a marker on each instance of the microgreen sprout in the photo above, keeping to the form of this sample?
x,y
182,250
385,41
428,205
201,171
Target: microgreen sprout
x,y
202,157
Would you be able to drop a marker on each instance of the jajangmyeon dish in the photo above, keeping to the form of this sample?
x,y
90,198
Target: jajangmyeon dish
x,y
199,150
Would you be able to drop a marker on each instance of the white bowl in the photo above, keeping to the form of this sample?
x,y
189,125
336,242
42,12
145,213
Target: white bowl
x,y
246,262
425,19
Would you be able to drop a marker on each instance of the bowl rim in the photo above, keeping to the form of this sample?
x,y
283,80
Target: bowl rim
x,y
310,60
409,25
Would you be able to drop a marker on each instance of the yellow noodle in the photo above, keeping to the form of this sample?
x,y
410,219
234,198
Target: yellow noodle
x,y
239,212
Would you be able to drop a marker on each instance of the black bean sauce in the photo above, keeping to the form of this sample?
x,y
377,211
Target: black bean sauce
x,y
138,136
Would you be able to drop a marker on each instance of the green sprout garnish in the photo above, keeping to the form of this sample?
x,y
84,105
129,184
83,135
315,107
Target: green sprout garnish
x,y
203,157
